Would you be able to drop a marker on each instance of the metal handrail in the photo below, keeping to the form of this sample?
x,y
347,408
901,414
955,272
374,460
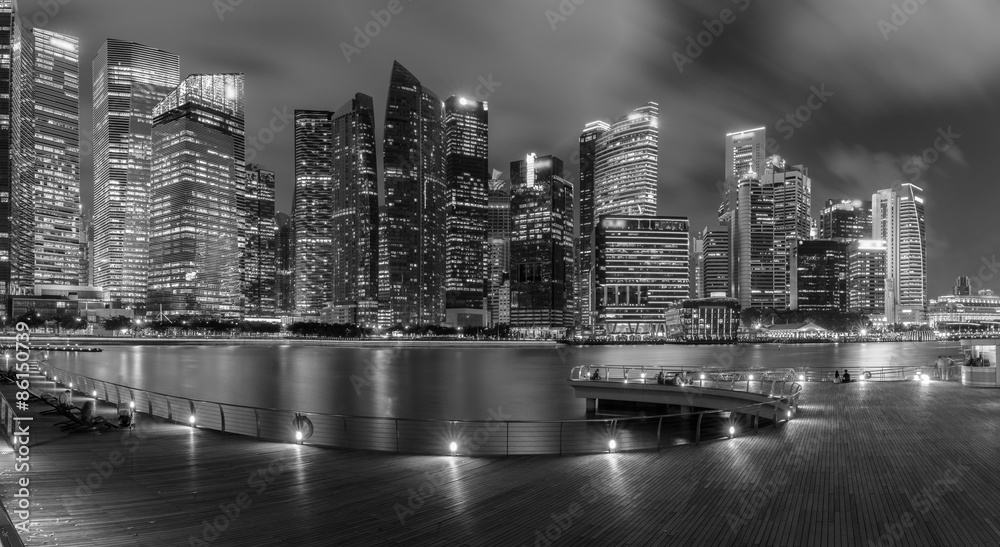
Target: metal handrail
x,y
414,434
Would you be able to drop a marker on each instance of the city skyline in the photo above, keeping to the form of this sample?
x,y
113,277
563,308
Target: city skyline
x,y
853,143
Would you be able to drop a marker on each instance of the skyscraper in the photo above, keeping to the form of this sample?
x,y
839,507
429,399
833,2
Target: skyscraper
x,y
466,138
412,221
819,280
962,286
312,211
57,159
770,214
355,213
641,267
625,174
284,275
541,245
898,219
130,79
846,220
592,133
715,269
198,154
745,152
866,278
17,154
757,278
260,251
499,229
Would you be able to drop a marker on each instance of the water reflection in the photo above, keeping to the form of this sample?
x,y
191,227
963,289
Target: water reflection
x,y
440,383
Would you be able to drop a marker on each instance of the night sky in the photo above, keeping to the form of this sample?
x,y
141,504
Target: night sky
x,y
894,85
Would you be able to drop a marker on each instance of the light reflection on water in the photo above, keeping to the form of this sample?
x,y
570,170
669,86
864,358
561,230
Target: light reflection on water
x,y
527,383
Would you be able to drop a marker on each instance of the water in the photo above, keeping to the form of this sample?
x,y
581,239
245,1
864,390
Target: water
x,y
439,383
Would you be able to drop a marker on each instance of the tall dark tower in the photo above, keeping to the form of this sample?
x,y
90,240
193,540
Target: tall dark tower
x,y
259,253
466,124
354,272
412,220
592,132
541,248
284,276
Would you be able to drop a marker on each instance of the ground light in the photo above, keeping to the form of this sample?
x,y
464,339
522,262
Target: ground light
x,y
93,393
612,444
298,436
131,404
732,431
453,447
191,419
802,377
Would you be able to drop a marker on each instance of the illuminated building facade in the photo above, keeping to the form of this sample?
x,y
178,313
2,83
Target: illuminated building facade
x,y
542,243
745,152
284,275
198,156
260,251
57,160
770,214
355,213
698,319
641,268
898,219
498,235
412,220
715,262
625,171
819,281
846,220
466,148
866,263
130,79
17,154
592,133
312,211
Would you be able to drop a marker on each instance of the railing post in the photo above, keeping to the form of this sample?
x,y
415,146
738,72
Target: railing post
x,y
170,412
396,420
222,416
756,421
560,437
658,428
256,416
697,432
507,443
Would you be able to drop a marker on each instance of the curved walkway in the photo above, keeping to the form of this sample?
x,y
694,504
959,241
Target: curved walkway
x,y
903,463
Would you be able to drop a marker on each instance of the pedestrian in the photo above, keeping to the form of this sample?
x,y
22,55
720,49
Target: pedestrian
x,y
942,367
847,376
836,376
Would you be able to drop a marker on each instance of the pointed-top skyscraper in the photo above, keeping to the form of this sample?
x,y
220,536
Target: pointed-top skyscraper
x,y
412,220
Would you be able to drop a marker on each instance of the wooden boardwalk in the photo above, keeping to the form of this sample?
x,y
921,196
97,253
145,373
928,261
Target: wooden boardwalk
x,y
900,464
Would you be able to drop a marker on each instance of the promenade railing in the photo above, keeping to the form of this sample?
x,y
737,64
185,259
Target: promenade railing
x,y
492,437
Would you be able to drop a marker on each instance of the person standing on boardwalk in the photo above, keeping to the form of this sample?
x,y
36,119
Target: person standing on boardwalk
x,y
942,367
